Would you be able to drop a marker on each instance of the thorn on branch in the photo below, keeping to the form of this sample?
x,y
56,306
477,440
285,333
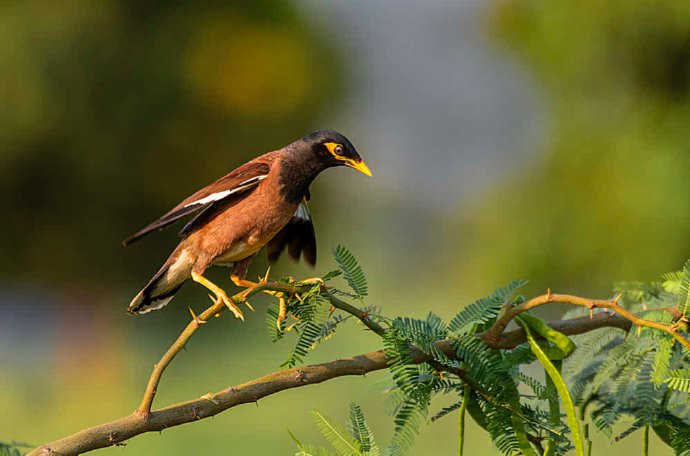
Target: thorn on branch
x,y
615,300
112,441
210,397
263,280
300,376
196,319
548,294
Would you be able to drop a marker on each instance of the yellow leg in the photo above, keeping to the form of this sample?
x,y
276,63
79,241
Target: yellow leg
x,y
219,293
242,282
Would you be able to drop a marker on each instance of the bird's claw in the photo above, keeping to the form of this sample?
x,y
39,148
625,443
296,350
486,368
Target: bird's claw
x,y
229,304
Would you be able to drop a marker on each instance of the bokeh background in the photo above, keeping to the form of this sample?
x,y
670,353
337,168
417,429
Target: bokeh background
x,y
545,140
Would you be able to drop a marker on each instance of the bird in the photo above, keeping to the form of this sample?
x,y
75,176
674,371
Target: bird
x,y
261,203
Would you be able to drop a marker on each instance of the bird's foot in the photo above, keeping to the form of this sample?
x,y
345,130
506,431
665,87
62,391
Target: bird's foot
x,y
221,296
242,282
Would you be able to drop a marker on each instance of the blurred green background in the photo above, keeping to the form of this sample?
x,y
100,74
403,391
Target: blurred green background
x,y
508,139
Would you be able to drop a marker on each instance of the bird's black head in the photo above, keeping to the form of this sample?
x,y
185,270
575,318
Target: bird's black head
x,y
333,149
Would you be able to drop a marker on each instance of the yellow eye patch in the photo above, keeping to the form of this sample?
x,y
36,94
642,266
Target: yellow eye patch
x,y
359,165
331,146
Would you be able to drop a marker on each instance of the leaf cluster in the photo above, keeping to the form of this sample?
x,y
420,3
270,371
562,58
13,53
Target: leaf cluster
x,y
604,378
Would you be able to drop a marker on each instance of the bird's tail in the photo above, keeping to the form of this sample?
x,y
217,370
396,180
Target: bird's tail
x,y
159,291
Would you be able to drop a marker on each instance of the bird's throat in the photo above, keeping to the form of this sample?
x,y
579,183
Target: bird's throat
x,y
295,179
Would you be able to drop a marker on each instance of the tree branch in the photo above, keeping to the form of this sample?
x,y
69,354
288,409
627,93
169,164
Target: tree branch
x,y
158,369
117,431
493,334
570,327
144,420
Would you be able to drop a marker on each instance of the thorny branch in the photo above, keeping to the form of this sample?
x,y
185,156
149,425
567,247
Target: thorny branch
x,y
143,419
493,335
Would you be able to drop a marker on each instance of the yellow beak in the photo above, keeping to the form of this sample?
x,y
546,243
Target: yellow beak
x,y
361,167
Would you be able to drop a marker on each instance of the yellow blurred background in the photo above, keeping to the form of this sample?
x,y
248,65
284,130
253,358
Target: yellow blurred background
x,y
508,139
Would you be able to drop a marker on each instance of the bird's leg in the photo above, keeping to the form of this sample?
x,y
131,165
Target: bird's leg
x,y
242,283
219,293
239,272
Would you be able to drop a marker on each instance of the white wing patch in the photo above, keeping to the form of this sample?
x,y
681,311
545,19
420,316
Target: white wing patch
x,y
249,183
302,212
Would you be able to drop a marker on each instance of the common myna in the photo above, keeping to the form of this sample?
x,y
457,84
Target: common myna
x,y
263,202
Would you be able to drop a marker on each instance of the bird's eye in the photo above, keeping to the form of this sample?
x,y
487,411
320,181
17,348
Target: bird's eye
x,y
338,150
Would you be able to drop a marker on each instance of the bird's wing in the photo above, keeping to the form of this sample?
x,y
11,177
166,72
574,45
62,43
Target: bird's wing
x,y
237,184
298,235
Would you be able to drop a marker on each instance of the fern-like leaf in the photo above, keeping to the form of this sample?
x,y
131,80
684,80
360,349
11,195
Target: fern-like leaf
x,y
359,428
662,361
679,380
354,275
344,443
483,310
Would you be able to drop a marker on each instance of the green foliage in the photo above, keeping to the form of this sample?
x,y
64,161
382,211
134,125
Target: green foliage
x,y
610,380
13,448
483,310
358,427
638,380
354,275
554,375
355,440
679,380
310,310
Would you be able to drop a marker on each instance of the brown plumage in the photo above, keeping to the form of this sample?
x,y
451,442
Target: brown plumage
x,y
263,202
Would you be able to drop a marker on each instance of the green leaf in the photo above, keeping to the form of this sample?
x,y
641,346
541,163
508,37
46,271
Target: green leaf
x,y
662,361
679,380
313,314
354,275
483,310
332,275
561,387
554,411
359,428
343,442
560,340
684,291
461,419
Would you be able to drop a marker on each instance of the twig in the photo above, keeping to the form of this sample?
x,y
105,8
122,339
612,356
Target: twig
x,y
493,334
363,316
570,327
158,369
